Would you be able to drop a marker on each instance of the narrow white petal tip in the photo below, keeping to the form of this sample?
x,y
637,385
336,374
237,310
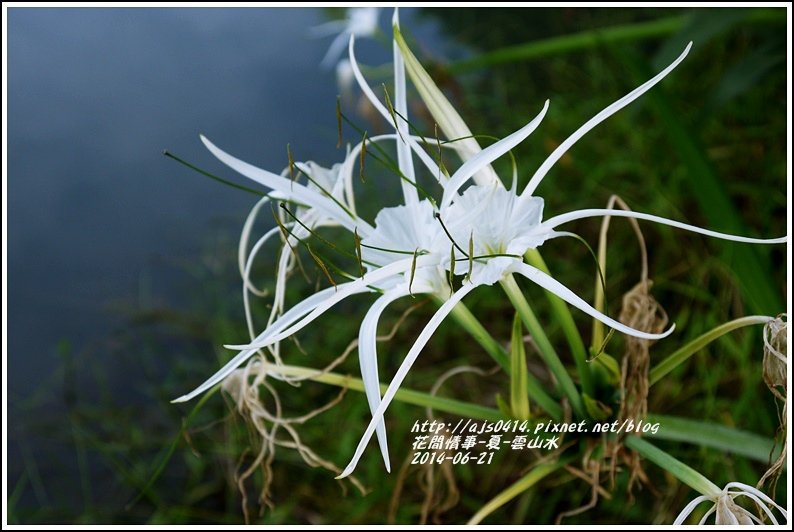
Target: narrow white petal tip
x,y
182,399
669,331
346,473
241,347
652,336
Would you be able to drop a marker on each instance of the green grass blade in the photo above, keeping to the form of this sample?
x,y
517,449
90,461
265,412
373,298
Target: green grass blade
x,y
713,435
683,353
574,42
680,470
537,474
537,393
546,350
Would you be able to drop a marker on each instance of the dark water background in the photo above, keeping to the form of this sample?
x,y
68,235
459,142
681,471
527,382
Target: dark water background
x,y
99,221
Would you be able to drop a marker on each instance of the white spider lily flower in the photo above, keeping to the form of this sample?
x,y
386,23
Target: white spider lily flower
x,y
727,512
358,21
328,200
501,226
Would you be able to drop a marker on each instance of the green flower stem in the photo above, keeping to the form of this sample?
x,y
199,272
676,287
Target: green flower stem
x,y
519,402
679,356
469,322
680,470
563,316
412,397
526,482
592,38
599,299
713,435
545,348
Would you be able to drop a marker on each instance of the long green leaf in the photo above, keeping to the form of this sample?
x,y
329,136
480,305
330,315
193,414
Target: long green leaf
x,y
680,470
443,404
713,435
591,38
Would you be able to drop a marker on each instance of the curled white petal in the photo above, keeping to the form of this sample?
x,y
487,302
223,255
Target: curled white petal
x,y
688,509
248,286
242,247
758,493
728,512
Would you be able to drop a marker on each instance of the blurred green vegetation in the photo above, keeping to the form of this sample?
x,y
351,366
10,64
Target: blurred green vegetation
x,y
707,147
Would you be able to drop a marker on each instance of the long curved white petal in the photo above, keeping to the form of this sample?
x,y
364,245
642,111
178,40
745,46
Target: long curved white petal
x,y
301,309
368,360
706,515
487,156
311,308
560,219
404,159
611,109
555,287
295,191
342,291
365,88
409,360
